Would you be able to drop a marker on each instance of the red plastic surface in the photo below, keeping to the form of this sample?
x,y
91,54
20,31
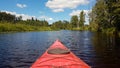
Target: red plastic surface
x,y
59,60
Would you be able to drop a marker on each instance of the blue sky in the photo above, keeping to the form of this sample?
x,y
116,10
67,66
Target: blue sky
x,y
51,10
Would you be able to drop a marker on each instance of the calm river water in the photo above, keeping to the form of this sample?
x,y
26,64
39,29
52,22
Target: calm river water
x,y
20,50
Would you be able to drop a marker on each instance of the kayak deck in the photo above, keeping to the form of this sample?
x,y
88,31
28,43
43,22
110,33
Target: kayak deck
x,y
59,56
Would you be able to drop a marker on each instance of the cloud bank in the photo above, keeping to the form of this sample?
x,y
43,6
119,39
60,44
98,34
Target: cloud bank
x,y
77,12
60,5
46,18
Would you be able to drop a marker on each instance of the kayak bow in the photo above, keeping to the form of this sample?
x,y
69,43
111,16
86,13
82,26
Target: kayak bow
x,y
59,56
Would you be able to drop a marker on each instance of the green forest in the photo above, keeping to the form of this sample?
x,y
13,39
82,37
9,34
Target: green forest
x,y
10,23
104,17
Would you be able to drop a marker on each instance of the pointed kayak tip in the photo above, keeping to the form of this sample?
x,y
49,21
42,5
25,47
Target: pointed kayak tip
x,y
59,56
57,40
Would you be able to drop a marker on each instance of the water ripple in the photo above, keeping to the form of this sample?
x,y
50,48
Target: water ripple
x,y
20,50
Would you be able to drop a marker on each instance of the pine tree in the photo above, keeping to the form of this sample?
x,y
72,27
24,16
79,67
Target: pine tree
x,y
82,18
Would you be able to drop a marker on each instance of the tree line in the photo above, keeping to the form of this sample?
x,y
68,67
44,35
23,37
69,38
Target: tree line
x,y
9,22
6,17
105,16
76,21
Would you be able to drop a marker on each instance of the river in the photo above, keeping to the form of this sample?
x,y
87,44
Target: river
x,y
21,49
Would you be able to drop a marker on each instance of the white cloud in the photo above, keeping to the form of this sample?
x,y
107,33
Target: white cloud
x,y
21,5
49,19
24,16
77,12
45,18
60,5
58,10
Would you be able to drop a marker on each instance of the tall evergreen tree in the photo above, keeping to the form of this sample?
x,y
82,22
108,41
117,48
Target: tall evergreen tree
x,y
82,18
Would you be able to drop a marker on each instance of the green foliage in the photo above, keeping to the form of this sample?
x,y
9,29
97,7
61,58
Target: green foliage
x,y
86,27
6,17
82,19
93,26
9,22
99,15
58,25
8,27
77,23
74,21
110,31
105,16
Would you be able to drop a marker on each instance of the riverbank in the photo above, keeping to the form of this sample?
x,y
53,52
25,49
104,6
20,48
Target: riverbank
x,y
9,27
108,31
18,27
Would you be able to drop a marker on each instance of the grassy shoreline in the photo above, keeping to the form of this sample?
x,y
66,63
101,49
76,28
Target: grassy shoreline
x,y
8,27
18,27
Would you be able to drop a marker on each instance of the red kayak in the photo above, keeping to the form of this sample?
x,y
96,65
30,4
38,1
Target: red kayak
x,y
59,56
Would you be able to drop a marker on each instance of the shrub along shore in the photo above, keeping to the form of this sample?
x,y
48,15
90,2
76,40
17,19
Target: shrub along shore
x,y
8,27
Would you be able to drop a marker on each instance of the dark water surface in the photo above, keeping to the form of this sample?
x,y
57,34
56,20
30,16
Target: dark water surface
x,y
20,50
